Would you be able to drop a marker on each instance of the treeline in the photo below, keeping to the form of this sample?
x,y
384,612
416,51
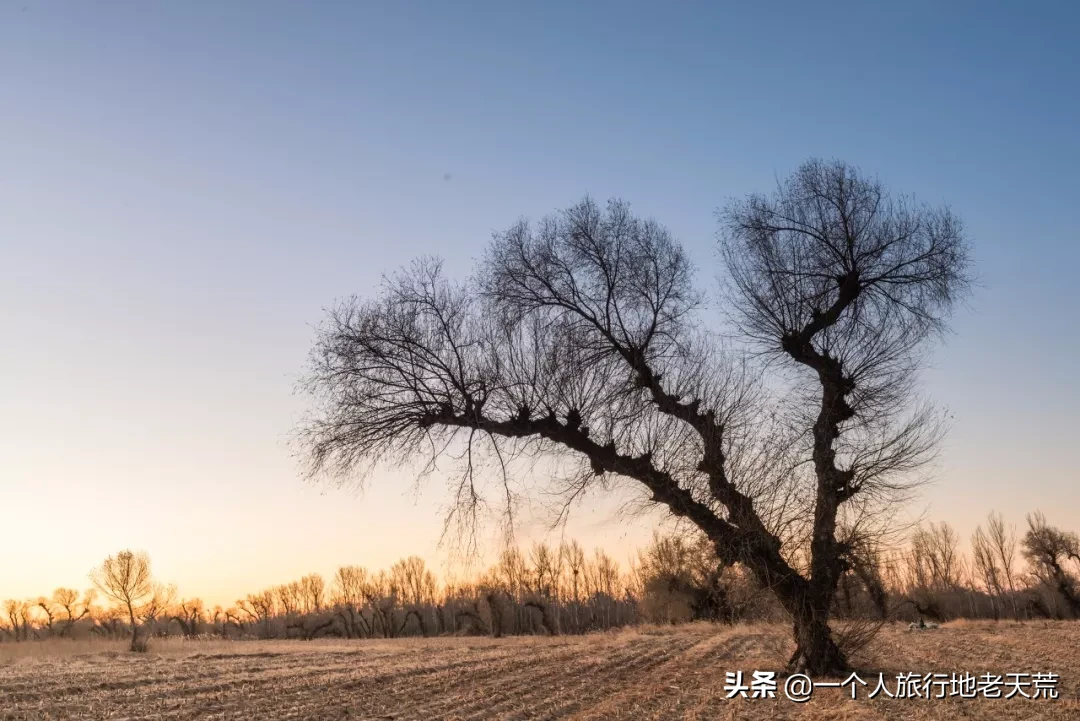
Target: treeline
x,y
1004,576
552,590
543,589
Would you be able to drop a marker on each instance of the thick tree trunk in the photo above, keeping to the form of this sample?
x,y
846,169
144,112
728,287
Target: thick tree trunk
x,y
134,629
816,653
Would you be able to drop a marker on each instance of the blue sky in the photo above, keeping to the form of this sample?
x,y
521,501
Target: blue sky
x,y
186,185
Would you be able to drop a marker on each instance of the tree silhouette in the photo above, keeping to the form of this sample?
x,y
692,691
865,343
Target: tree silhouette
x,y
581,340
125,578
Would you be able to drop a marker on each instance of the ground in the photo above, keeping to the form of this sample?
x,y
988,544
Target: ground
x,y
650,673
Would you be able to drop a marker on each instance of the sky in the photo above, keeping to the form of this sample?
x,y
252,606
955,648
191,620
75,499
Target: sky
x,y
184,187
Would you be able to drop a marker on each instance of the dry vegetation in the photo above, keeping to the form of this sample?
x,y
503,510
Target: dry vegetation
x,y
644,673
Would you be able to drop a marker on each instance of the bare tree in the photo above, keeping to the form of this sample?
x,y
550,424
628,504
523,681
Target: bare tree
x,y
161,597
582,341
681,576
834,276
126,579
189,614
350,594
868,563
1050,551
289,598
414,583
602,577
49,609
546,569
18,616
937,550
932,574
1002,544
511,573
71,608
312,592
573,556
259,607
985,568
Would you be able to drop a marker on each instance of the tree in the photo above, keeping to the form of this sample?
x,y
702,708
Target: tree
x,y
49,609
985,568
189,614
18,616
1002,547
161,597
72,610
602,577
312,593
350,594
993,555
290,598
126,579
936,553
583,341
260,608
414,583
1049,551
546,570
573,555
680,575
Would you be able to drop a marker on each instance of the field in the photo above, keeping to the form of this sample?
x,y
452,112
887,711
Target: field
x,y
650,673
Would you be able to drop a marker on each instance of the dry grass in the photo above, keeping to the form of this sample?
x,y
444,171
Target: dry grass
x,y
663,673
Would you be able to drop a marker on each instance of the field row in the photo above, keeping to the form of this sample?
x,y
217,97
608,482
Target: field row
x,y
648,674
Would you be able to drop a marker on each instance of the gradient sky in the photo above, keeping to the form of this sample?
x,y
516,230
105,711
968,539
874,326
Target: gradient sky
x,y
185,186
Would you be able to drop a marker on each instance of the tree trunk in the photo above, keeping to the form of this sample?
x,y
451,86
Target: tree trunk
x,y
134,628
816,653
496,615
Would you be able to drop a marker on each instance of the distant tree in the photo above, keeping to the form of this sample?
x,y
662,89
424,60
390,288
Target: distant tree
x,y
414,583
126,580
188,614
546,570
602,576
233,617
351,590
993,559
71,608
511,573
312,592
290,598
259,608
108,622
1050,552
936,553
157,606
1002,547
582,340
681,575
381,596
573,556
933,574
985,568
49,610
867,563
18,617
218,620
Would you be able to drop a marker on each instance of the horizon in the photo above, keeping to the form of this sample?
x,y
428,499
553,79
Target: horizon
x,y
475,569
188,187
